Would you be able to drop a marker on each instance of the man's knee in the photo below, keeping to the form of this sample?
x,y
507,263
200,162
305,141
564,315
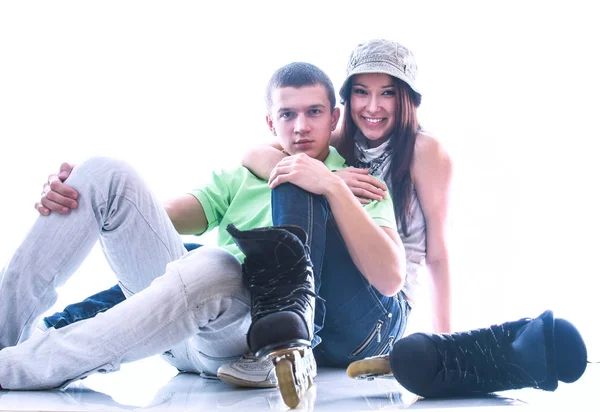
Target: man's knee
x,y
290,189
289,195
211,272
293,205
100,169
100,164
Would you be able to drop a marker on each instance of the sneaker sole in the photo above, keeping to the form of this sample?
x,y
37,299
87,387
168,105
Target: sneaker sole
x,y
233,380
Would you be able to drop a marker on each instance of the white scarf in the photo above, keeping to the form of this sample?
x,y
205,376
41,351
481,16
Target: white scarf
x,y
376,159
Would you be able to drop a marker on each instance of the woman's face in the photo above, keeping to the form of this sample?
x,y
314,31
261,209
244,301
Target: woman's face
x,y
373,102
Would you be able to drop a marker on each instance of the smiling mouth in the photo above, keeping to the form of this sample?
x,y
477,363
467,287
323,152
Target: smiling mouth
x,y
373,121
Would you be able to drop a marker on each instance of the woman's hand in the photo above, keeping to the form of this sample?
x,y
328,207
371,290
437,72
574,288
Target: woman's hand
x,y
364,186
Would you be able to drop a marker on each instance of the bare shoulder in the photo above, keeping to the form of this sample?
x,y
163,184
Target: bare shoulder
x,y
430,153
431,171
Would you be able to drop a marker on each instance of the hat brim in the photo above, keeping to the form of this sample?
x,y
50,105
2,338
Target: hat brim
x,y
375,67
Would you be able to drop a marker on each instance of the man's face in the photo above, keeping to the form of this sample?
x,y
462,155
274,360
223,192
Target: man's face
x,y
302,120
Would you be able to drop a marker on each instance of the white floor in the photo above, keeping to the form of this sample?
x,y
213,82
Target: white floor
x,y
151,385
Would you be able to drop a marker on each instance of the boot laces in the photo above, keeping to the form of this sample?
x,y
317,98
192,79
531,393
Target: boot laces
x,y
283,288
479,354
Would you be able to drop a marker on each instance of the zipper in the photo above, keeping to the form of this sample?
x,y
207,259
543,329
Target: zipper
x,y
390,342
375,333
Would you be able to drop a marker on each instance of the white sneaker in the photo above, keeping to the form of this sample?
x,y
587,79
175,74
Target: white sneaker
x,y
253,372
249,372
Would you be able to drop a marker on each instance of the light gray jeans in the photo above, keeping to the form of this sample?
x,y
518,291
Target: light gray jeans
x,y
193,305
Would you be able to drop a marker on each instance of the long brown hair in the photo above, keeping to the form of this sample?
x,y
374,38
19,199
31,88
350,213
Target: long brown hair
x,y
402,143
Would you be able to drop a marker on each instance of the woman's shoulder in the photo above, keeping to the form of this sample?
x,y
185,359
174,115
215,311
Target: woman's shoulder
x,y
427,145
430,151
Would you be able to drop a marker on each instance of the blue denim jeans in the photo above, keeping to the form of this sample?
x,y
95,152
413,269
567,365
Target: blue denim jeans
x,y
92,305
356,321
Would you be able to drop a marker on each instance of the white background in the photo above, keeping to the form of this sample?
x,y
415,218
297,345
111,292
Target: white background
x,y
176,88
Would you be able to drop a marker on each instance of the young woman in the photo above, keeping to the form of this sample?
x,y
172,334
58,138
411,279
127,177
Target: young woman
x,y
381,137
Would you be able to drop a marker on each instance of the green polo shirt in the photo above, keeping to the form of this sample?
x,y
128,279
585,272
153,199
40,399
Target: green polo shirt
x,y
239,197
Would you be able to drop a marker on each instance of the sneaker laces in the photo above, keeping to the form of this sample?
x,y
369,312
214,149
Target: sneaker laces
x,y
481,354
285,287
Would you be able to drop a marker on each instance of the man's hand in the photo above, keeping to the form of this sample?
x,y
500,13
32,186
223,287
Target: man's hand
x,y
303,171
57,196
364,186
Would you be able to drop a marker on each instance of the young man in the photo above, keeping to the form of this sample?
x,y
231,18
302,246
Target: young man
x,y
198,311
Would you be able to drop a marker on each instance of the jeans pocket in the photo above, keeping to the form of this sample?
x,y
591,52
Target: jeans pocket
x,y
372,344
383,334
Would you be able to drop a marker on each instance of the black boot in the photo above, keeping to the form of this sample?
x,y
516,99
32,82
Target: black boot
x,y
278,272
535,353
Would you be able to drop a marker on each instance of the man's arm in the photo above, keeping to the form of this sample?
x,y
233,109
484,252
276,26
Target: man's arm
x,y
187,215
377,252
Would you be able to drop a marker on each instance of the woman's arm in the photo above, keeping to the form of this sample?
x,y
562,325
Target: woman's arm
x,y
261,160
432,174
377,252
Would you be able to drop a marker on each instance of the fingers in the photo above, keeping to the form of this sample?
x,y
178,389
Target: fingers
x,y
280,170
366,191
367,178
55,184
279,180
357,170
360,178
57,196
65,171
282,173
41,209
373,181
51,206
